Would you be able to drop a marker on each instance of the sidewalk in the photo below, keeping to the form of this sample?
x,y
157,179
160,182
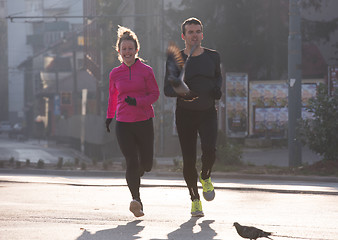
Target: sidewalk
x,y
276,156
33,149
256,156
273,156
231,181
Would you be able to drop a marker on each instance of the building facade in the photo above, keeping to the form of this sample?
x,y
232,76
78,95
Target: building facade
x,y
3,62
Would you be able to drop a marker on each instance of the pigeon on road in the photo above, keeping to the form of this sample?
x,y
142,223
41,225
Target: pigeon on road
x,y
251,232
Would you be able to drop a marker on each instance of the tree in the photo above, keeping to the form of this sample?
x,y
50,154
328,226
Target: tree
x,y
251,36
320,132
318,29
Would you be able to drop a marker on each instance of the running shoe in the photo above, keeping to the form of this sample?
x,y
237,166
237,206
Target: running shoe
x,y
208,189
196,208
136,208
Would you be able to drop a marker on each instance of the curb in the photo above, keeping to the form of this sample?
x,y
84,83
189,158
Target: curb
x,y
299,178
121,174
218,175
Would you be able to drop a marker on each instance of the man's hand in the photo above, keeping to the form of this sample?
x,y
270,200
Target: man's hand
x,y
108,121
190,96
131,101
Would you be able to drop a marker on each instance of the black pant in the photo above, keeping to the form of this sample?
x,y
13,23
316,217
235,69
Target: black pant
x,y
136,141
189,124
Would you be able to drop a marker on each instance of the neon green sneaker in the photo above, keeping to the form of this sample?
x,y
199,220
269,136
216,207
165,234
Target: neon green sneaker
x,y
196,208
208,189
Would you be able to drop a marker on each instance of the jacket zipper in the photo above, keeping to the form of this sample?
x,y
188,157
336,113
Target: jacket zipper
x,y
129,73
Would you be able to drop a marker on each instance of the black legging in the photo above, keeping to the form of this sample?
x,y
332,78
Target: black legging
x,y
189,124
136,141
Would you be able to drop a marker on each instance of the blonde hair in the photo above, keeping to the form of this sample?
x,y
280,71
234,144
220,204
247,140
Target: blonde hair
x,y
124,33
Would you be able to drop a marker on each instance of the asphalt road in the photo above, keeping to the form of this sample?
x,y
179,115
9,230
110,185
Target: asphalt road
x,y
78,208
57,204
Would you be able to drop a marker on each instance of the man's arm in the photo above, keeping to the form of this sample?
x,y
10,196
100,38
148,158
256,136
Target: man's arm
x,y
217,93
218,72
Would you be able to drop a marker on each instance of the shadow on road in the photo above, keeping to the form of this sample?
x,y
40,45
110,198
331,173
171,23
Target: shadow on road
x,y
121,232
187,231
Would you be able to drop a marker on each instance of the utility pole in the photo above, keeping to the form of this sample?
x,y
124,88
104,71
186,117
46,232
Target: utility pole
x,y
295,83
74,95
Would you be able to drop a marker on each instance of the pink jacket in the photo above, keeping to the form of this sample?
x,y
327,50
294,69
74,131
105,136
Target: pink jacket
x,y
137,81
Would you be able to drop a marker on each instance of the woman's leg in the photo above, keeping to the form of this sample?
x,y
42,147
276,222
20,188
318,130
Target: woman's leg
x,y
127,143
145,141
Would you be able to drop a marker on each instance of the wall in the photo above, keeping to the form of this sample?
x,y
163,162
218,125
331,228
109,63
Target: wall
x,y
268,112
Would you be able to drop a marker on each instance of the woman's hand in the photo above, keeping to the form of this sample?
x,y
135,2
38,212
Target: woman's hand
x,y
108,121
131,101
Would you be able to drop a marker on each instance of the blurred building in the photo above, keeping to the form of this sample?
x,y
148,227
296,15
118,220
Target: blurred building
x,y
3,62
54,57
43,51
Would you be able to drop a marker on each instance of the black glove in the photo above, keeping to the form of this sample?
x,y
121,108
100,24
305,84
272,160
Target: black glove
x,y
108,121
216,93
190,96
130,101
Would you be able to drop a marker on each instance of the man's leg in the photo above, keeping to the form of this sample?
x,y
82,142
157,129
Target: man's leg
x,y
187,133
208,136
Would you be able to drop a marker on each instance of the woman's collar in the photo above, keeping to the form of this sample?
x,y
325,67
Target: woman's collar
x,y
136,60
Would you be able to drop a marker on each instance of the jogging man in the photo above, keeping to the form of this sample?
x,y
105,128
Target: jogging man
x,y
197,116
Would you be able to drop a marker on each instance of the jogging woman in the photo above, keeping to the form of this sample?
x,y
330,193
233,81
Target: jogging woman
x,y
132,91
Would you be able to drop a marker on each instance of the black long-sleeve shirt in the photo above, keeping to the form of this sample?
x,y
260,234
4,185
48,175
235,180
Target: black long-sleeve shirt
x,y
202,75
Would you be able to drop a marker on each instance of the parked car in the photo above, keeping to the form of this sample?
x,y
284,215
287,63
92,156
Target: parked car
x,y
5,127
16,131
